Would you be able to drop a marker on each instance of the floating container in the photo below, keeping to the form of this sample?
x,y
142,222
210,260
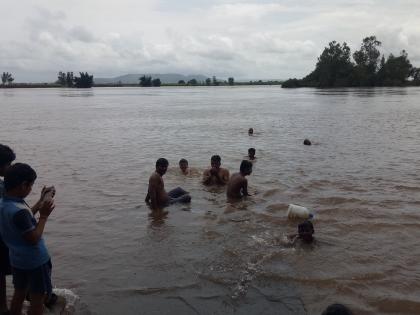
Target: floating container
x,y
298,212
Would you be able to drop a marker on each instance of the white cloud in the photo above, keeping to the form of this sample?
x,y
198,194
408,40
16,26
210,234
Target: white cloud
x,y
247,10
242,38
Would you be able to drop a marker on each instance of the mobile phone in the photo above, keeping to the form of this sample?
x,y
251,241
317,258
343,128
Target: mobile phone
x,y
49,194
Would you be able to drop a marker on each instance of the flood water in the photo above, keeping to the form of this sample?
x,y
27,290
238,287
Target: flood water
x,y
360,176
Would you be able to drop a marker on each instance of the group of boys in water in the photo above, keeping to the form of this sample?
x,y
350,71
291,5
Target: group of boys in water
x,y
22,249
237,184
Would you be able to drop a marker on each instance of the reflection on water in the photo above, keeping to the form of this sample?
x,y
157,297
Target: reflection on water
x,y
98,147
67,92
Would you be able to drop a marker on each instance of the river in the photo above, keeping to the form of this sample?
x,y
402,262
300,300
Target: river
x,y
360,177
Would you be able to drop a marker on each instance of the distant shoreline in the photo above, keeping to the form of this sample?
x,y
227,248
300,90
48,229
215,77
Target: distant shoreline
x,y
54,85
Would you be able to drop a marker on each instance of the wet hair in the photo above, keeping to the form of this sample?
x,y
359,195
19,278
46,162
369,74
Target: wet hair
x,y
6,155
162,162
216,158
337,309
307,142
251,130
245,166
251,150
306,226
181,161
18,174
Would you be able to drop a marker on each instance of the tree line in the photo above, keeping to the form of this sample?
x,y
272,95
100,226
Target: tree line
x,y
148,81
67,79
367,68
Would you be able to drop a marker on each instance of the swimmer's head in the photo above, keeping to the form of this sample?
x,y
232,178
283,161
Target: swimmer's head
x,y
337,309
162,166
251,131
251,153
246,167
183,165
215,161
306,231
307,142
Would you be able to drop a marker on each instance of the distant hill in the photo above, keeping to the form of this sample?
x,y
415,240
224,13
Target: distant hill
x,y
164,78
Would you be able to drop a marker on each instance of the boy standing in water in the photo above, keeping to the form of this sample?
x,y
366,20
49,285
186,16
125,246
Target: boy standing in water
x,y
22,233
238,184
215,175
7,156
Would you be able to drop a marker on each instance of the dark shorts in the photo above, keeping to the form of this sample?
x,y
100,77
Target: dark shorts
x,y
179,195
5,268
36,280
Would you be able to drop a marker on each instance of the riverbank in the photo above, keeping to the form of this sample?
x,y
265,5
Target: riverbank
x,y
55,85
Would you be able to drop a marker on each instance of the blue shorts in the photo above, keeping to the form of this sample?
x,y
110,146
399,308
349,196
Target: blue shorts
x,y
36,280
5,268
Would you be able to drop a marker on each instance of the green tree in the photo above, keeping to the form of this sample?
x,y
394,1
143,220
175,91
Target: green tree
x,y
367,61
61,78
156,82
192,82
181,82
231,81
333,68
7,77
397,70
415,74
69,79
84,81
145,81
208,81
215,81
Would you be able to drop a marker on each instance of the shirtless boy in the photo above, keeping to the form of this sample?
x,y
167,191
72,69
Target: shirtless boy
x,y
238,184
156,195
305,233
183,166
215,175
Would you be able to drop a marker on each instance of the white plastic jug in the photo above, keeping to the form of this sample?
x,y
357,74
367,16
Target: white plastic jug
x,y
298,212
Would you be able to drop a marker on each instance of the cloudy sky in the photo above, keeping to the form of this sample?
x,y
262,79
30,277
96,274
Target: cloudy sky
x,y
247,39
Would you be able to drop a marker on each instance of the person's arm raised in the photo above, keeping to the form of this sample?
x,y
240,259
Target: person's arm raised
x,y
224,177
153,192
206,177
50,191
245,188
33,236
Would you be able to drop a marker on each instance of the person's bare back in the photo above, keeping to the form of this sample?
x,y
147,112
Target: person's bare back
x,y
156,193
237,186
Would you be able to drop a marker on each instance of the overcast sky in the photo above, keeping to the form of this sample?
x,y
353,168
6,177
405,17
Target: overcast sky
x,y
247,39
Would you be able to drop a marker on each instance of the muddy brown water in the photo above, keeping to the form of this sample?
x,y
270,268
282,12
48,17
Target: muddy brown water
x,y
360,176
